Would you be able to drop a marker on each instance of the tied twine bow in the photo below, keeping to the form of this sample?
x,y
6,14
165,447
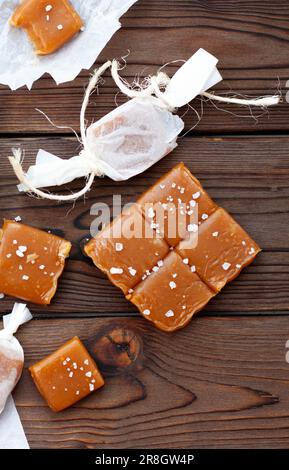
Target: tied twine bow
x,y
152,90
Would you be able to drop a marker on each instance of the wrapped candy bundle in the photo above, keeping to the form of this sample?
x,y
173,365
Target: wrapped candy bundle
x,y
11,352
133,136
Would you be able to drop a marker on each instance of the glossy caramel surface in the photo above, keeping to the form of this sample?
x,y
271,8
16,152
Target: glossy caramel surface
x,y
223,249
67,375
48,23
31,262
123,251
170,296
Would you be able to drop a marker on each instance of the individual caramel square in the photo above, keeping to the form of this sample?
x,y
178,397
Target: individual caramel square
x,y
126,249
223,249
183,200
31,262
67,375
171,295
48,23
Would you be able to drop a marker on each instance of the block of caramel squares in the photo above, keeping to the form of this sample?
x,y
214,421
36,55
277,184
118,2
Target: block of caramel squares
x,y
178,278
172,294
48,23
31,261
182,199
127,249
67,375
223,249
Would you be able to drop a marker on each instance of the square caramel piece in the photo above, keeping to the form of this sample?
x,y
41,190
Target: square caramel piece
x,y
176,203
127,249
223,249
31,262
171,295
67,375
48,23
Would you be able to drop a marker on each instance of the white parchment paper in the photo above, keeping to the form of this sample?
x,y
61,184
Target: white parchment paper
x,y
12,434
19,65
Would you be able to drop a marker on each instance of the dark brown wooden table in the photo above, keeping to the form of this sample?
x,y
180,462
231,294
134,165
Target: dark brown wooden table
x,y
223,381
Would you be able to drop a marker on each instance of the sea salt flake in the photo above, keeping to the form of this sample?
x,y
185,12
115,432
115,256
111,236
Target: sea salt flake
x,y
160,263
196,195
172,284
118,247
59,27
146,312
86,362
70,374
48,7
193,268
8,255
204,216
19,254
25,277
88,374
91,387
215,234
132,271
169,314
186,260
238,266
22,248
226,266
114,270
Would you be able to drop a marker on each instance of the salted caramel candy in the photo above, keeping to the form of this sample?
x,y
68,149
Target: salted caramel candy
x,y
170,277
31,261
48,23
171,295
223,250
182,199
127,249
67,375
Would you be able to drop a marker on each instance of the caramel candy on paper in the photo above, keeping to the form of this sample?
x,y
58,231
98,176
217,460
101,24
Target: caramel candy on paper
x,y
126,260
170,296
222,251
31,262
178,189
67,375
49,23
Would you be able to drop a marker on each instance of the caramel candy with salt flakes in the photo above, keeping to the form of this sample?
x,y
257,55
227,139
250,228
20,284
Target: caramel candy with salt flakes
x,y
125,258
170,296
31,261
178,189
67,375
223,249
170,284
48,23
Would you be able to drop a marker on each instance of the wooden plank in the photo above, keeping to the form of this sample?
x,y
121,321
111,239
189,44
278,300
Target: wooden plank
x,y
221,382
248,176
249,38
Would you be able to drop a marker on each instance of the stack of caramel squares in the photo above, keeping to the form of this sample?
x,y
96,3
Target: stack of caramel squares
x,y
173,250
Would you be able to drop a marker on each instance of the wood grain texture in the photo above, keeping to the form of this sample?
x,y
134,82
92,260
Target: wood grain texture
x,y
221,382
250,38
248,176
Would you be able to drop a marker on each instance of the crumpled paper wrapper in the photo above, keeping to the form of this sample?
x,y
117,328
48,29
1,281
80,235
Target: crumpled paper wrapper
x,y
19,65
